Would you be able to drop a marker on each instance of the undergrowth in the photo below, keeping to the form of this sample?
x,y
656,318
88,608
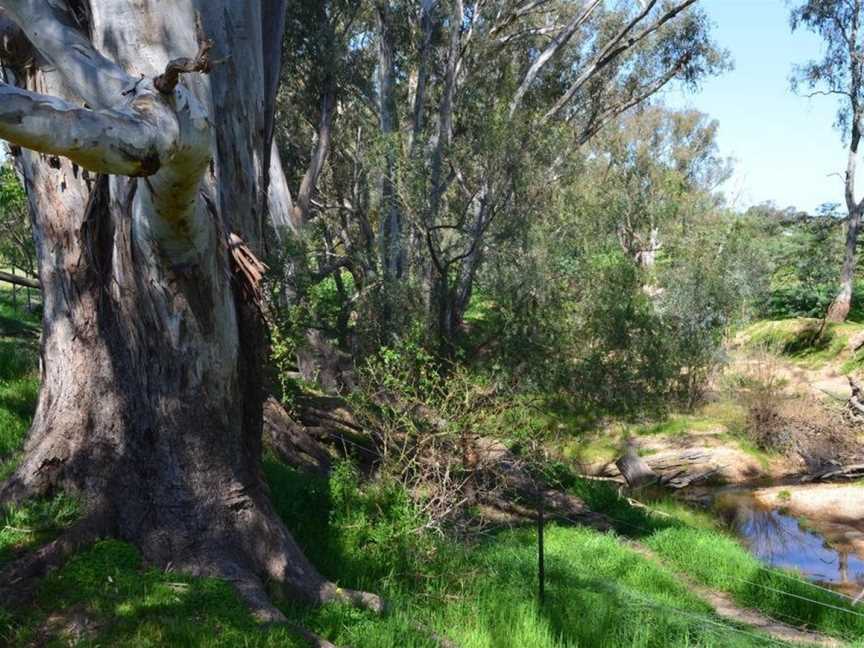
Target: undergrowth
x,y
369,535
599,591
807,342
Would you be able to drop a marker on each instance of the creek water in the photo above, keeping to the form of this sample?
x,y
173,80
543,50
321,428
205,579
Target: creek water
x,y
822,553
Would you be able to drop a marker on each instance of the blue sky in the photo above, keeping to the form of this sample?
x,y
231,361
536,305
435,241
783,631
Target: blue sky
x,y
785,146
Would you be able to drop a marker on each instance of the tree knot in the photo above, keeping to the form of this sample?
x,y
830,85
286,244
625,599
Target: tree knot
x,y
167,81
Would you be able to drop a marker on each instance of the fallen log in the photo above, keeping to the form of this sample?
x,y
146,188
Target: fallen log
x,y
836,472
23,281
635,470
291,442
678,460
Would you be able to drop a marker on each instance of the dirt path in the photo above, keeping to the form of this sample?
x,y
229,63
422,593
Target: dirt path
x,y
824,383
726,608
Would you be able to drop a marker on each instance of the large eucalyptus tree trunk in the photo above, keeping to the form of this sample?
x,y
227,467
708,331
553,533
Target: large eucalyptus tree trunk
x,y
842,304
144,186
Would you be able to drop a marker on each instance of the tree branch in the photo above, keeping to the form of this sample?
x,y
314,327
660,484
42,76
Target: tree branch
x,y
103,141
51,29
17,280
617,46
134,131
611,112
167,82
557,43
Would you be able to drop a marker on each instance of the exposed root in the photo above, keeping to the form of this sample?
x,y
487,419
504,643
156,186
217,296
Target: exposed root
x,y
252,591
281,559
332,593
18,580
312,639
15,490
440,641
11,492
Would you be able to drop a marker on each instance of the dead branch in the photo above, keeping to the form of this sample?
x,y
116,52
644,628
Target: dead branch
x,y
168,80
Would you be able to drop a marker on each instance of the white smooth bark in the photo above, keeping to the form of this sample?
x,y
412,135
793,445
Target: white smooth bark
x,y
48,25
133,131
557,43
104,141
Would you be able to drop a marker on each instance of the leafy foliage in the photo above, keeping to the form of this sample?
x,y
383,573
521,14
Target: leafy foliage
x,y
16,243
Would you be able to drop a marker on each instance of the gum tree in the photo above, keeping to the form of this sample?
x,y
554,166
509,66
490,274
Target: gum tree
x,y
839,73
147,174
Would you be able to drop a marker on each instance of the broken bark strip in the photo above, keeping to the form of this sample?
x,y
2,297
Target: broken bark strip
x,y
854,410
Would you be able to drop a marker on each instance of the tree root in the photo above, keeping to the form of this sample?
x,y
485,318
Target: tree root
x,y
14,491
332,593
254,594
251,590
18,581
312,639
440,641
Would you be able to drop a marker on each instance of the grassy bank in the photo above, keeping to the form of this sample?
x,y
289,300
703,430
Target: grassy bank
x,y
722,563
600,591
807,342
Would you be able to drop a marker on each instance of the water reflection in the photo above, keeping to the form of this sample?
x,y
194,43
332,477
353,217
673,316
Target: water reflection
x,y
781,540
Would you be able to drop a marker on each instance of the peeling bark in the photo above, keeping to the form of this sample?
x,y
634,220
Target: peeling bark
x,y
150,408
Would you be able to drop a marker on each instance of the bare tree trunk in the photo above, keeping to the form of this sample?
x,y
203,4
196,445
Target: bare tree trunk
x,y
839,310
150,408
842,304
392,253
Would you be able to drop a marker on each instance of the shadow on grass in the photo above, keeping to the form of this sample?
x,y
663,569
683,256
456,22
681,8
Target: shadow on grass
x,y
600,593
10,327
124,604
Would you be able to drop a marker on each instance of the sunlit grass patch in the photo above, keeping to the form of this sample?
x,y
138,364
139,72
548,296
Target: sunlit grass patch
x,y
116,602
480,595
33,523
722,563
806,341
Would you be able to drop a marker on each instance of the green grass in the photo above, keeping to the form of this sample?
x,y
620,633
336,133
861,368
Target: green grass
x,y
599,592
716,416
24,527
696,544
722,563
725,418
481,594
15,318
125,604
797,340
19,382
